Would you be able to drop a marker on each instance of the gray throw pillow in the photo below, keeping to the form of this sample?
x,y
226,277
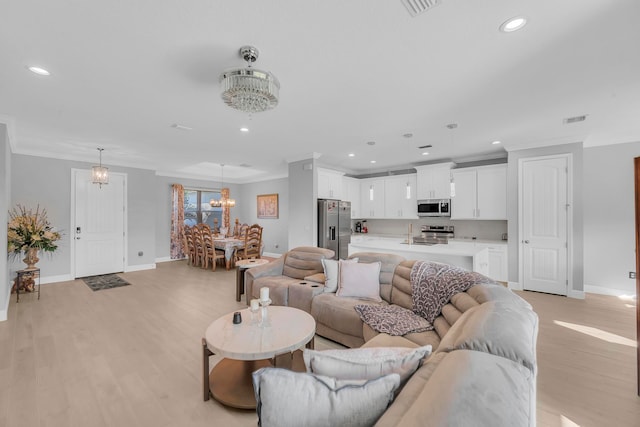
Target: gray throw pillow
x,y
286,398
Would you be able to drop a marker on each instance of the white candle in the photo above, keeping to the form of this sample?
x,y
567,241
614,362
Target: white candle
x,y
255,304
264,293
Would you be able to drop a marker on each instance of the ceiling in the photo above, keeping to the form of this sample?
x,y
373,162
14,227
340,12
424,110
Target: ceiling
x,y
122,73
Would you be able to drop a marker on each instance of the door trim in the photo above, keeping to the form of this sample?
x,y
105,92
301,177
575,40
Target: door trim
x,y
569,157
72,219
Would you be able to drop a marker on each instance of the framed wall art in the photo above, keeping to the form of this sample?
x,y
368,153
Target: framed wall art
x,y
268,205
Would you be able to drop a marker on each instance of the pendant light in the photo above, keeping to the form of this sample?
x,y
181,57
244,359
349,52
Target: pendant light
x,y
224,202
100,174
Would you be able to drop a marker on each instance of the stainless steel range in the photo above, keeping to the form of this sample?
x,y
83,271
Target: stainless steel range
x,y
434,235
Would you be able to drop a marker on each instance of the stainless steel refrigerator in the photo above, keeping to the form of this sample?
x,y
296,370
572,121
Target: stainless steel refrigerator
x,y
334,226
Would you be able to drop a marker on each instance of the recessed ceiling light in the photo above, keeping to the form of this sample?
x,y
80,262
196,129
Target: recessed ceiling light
x,y
244,129
39,71
513,24
181,127
351,155
496,142
426,153
373,161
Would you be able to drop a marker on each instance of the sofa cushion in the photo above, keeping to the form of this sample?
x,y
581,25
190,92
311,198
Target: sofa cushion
x,y
465,388
499,328
417,339
304,261
278,288
285,398
359,280
365,363
338,313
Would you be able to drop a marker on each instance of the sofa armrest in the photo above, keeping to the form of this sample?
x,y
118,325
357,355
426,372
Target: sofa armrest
x,y
274,268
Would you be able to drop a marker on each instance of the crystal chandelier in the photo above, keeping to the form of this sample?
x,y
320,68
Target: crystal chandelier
x,y
225,201
249,89
100,174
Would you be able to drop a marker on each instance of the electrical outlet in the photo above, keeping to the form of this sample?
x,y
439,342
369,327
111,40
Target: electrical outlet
x,y
632,275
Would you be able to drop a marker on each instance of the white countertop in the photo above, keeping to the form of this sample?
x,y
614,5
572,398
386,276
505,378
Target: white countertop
x,y
455,247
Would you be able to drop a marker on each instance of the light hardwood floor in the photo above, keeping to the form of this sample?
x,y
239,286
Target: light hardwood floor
x,y
131,356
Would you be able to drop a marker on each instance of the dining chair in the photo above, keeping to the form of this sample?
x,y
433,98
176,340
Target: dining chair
x,y
187,245
198,244
252,244
210,252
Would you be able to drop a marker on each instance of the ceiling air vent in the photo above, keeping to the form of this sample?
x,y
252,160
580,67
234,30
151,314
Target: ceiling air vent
x,y
416,7
575,119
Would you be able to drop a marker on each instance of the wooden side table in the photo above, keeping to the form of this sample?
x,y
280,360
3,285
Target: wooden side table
x,y
23,277
241,266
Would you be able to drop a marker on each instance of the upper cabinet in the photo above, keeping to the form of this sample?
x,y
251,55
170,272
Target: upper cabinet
x,y
329,184
400,197
480,193
434,181
351,193
372,198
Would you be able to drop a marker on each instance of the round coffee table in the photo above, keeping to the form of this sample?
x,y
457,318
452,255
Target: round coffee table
x,y
247,347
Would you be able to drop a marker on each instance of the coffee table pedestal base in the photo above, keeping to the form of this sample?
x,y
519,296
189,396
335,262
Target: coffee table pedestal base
x,y
231,383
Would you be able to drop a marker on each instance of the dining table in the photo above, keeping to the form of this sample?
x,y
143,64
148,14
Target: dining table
x,y
229,245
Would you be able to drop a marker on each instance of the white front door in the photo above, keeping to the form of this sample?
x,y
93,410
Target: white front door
x,y
544,212
98,224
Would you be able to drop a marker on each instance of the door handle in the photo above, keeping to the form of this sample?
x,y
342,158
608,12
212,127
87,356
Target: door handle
x,y
525,241
77,238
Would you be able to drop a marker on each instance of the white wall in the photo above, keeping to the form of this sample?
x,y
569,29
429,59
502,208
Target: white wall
x,y
609,218
577,286
275,232
47,182
5,197
303,205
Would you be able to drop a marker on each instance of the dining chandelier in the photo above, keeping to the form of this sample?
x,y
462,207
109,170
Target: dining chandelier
x,y
100,174
249,89
225,201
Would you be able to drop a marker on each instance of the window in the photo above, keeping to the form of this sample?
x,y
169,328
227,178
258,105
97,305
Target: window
x,y
197,208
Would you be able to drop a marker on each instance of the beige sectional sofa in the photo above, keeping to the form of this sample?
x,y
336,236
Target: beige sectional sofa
x,y
482,370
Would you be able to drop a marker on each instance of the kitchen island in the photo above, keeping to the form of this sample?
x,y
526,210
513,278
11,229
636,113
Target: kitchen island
x,y
484,256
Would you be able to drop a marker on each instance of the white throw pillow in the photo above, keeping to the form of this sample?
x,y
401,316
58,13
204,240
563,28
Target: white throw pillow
x,y
360,280
366,363
332,273
286,398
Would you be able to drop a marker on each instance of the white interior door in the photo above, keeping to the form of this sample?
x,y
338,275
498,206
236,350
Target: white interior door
x,y
98,225
544,233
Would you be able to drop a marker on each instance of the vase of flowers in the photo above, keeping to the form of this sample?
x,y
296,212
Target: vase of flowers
x,y
29,232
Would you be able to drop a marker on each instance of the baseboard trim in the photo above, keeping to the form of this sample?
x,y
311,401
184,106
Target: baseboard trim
x,y
167,259
607,291
514,286
575,294
4,313
139,267
55,279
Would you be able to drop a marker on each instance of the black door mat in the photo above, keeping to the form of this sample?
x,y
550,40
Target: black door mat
x,y
104,281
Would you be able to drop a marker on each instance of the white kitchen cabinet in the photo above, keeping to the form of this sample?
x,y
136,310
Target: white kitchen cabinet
x,y
351,193
400,197
480,193
372,198
491,260
434,181
329,184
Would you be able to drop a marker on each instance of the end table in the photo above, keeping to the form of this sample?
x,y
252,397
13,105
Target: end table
x,y
241,266
23,277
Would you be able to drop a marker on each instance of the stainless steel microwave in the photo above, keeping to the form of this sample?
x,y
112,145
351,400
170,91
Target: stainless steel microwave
x,y
434,207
